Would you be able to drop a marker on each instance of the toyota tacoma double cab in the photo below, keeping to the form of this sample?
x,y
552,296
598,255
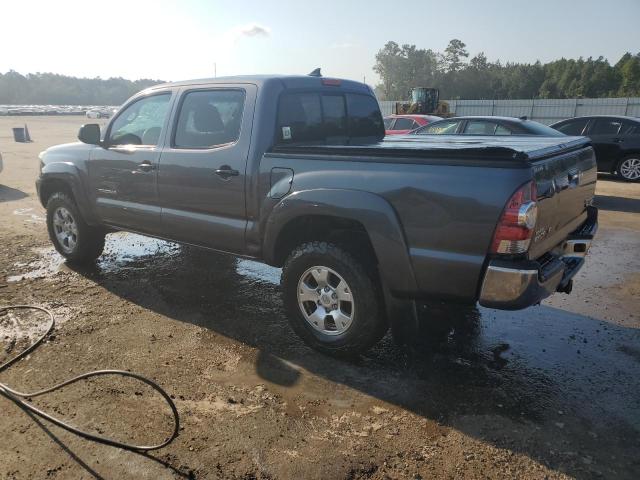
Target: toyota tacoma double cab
x,y
293,171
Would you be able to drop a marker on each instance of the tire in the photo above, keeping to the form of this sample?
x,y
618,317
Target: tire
x,y
350,323
629,168
72,237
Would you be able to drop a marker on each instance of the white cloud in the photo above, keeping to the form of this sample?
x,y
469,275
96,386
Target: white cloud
x,y
254,30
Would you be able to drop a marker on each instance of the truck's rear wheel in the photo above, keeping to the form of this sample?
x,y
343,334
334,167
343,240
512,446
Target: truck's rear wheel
x,y
332,301
72,237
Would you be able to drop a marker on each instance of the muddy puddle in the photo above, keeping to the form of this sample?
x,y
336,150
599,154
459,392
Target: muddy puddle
x,y
128,251
30,215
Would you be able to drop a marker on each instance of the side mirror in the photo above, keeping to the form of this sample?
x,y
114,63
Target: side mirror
x,y
90,133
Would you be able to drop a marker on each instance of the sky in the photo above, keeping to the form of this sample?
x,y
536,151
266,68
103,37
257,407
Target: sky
x,y
175,40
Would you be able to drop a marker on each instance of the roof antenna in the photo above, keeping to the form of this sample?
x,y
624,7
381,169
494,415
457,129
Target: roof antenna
x,y
316,73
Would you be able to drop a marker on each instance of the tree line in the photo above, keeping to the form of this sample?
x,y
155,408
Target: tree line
x,y
53,89
459,77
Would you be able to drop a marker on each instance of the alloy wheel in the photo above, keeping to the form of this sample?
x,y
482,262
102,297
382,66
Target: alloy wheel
x,y
325,300
65,229
630,169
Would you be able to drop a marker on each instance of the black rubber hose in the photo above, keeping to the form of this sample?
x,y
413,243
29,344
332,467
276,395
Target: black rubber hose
x,y
19,397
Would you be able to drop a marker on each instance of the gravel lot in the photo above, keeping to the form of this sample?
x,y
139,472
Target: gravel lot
x,y
549,392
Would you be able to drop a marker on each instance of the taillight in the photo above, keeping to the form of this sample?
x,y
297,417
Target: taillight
x,y
515,228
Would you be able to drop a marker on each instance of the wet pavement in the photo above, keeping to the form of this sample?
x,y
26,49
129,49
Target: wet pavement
x,y
563,372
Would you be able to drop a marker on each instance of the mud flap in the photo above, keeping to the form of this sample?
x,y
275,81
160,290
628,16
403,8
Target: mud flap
x,y
402,317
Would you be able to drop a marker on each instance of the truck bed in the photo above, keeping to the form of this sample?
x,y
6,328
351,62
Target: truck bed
x,y
449,192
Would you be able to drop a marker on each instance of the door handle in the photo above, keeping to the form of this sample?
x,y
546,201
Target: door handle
x,y
225,171
146,166
618,140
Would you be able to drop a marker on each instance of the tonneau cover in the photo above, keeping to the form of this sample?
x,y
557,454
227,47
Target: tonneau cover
x,y
432,146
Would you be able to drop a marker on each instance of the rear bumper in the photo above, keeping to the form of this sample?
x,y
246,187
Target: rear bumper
x,y
517,284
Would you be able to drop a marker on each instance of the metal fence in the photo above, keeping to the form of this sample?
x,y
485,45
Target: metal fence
x,y
541,110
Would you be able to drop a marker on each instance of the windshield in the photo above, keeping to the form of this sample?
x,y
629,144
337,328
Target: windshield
x,y
418,95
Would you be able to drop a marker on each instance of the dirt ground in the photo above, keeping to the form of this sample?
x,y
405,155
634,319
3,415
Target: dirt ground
x,y
549,392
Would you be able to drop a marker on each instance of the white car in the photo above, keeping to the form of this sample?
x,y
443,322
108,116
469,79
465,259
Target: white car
x,y
99,113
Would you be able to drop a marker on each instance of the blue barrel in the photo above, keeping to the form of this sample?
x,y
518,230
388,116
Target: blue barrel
x,y
18,135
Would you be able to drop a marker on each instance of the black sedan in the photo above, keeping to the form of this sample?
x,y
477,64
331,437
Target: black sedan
x,y
486,126
616,141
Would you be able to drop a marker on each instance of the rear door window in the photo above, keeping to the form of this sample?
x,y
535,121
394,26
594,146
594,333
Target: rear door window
x,y
500,130
441,128
208,118
606,126
629,128
573,127
387,123
480,127
403,124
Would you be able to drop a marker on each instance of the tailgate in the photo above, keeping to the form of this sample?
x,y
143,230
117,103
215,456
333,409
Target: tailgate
x,y
566,185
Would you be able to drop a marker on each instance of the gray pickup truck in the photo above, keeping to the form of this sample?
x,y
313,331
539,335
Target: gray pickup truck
x,y
293,171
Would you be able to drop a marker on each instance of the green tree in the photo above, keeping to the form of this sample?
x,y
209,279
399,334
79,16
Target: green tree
x,y
453,56
49,88
628,70
402,68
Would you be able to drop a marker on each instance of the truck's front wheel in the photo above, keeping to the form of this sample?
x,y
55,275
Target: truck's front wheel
x,y
332,301
73,238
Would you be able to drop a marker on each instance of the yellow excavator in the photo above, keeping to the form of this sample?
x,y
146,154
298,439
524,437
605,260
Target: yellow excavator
x,y
424,101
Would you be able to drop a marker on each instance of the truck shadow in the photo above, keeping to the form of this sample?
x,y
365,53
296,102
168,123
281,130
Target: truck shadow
x,y
617,204
566,379
8,194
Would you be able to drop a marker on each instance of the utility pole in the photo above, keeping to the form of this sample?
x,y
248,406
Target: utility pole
x,y
215,70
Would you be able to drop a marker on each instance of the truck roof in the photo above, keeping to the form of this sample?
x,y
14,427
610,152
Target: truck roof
x,y
288,81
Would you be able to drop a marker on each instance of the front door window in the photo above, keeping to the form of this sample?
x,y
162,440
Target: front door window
x,y
141,122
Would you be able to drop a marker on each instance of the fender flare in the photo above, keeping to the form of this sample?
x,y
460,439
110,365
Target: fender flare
x,y
68,173
376,215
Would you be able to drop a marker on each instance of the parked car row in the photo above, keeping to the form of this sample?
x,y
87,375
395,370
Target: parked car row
x,y
9,110
402,124
616,139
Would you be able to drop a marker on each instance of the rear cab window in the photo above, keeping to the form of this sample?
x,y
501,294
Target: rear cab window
x,y
328,119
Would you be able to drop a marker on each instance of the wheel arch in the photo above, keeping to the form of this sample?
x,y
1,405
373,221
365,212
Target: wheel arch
x,y
65,178
367,217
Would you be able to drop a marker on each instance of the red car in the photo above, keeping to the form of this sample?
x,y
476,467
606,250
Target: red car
x,y
401,124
